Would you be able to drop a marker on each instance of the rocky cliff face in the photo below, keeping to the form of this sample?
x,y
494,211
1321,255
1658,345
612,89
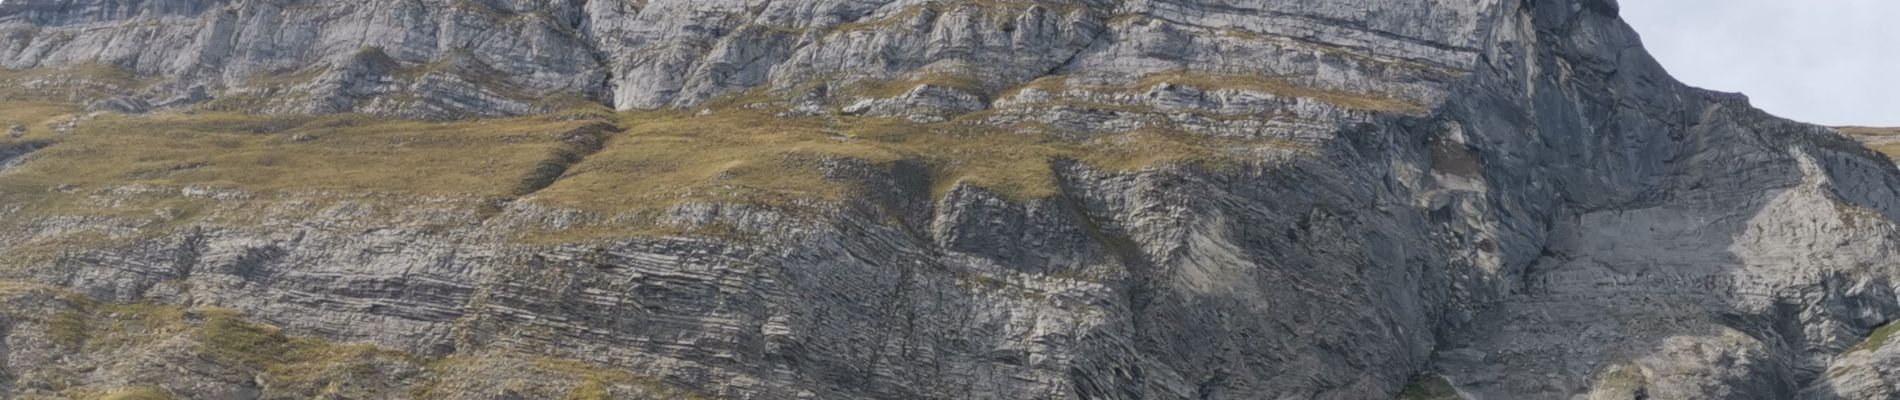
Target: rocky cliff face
x,y
1335,199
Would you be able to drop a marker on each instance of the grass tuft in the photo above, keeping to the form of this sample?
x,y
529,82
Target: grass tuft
x,y
75,84
1876,339
1428,387
228,336
138,393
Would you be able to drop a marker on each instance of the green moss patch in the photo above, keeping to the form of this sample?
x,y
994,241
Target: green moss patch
x,y
1428,387
1876,339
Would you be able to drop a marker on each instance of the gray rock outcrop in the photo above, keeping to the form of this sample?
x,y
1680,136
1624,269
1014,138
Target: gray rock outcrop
x,y
1510,197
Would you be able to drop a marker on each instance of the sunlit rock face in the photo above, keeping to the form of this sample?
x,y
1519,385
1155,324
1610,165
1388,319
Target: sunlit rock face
x,y
1195,199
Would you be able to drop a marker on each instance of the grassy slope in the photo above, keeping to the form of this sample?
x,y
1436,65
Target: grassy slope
x,y
271,154
656,160
1884,140
745,156
121,339
649,162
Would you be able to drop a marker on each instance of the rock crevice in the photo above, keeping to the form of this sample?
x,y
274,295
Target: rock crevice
x,y
1330,199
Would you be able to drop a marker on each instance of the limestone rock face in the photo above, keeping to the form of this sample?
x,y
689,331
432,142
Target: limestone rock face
x,y
1509,198
442,58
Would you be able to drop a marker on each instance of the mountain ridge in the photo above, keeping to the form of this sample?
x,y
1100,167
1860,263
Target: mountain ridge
x,y
1333,199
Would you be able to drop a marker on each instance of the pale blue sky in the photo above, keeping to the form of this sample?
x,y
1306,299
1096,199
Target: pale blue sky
x,y
1832,62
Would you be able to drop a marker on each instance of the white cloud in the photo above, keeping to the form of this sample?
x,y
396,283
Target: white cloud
x,y
1834,62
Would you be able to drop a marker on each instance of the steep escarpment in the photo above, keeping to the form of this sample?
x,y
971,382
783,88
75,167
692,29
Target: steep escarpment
x,y
1091,199
445,59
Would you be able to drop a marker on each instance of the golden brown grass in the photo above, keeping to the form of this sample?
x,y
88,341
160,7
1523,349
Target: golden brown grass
x,y
900,86
658,161
80,82
137,393
594,380
1891,150
269,161
576,380
103,329
37,118
1884,140
753,157
662,158
275,154
290,366
1869,131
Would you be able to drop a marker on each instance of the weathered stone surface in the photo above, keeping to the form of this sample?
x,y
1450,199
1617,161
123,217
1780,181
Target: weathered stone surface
x,y
1510,195
1865,371
128,105
443,59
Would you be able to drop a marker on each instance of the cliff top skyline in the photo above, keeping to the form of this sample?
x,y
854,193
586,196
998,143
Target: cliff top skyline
x,y
1823,62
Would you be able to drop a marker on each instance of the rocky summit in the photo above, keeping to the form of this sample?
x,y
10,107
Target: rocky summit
x,y
917,199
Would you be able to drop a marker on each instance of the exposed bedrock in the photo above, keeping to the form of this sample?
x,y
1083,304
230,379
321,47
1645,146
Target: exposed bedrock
x,y
1510,197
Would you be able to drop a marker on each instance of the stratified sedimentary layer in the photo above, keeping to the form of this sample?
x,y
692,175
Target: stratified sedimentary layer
x,y
1332,199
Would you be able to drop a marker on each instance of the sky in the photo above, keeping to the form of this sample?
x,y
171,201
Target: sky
x,y
1830,62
